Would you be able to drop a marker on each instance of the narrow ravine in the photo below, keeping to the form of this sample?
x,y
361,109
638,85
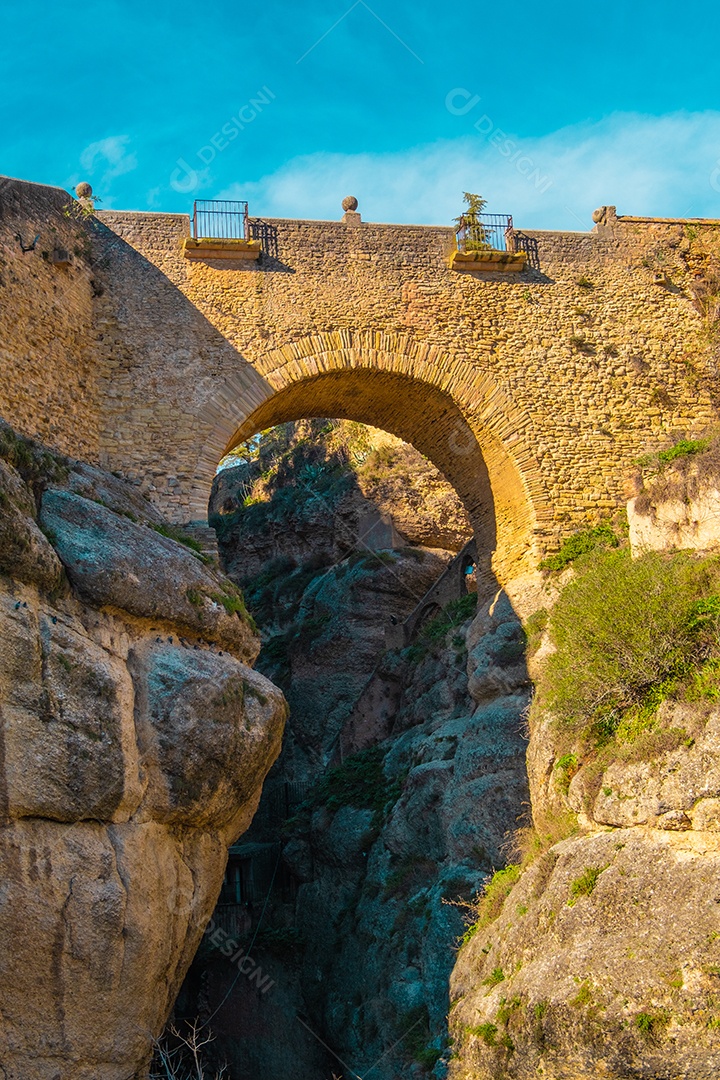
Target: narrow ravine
x,y
395,789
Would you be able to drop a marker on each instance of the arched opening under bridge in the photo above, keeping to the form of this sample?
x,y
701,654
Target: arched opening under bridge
x,y
471,457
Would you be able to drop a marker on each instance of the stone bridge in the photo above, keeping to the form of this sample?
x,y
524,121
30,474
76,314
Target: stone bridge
x,y
533,391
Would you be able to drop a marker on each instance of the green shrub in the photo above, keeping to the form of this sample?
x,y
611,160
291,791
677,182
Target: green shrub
x,y
490,904
506,1010
539,1009
359,782
580,543
626,630
413,1028
497,975
683,448
37,466
233,603
566,766
534,628
487,1032
585,884
650,1025
584,995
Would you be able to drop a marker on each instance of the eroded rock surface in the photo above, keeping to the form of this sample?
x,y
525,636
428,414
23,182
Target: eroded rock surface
x,y
603,962
604,959
134,740
114,562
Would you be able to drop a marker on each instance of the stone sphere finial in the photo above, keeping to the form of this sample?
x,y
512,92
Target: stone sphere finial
x,y
349,203
83,190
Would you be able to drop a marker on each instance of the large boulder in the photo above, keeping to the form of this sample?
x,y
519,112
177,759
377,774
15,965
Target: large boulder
x,y
205,725
129,765
134,742
99,923
115,563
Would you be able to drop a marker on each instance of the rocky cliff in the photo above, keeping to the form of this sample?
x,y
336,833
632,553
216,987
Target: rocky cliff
x,y
595,952
315,489
410,771
134,740
598,953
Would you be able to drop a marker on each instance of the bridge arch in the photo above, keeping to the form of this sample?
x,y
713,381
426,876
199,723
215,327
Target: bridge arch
x,y
447,408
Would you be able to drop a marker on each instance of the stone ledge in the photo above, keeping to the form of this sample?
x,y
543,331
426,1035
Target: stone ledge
x,y
503,262
221,249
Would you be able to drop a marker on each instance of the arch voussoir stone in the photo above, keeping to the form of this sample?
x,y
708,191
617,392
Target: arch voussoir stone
x,y
469,423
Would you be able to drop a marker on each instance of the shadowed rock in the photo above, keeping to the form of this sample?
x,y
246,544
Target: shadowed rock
x,y
25,553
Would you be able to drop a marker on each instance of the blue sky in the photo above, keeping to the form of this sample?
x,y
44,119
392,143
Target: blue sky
x,y
547,110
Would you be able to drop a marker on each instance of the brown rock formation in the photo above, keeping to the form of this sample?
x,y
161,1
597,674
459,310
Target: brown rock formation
x,y
132,752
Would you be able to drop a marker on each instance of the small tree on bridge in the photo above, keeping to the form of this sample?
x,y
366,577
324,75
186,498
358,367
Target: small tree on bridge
x,y
472,234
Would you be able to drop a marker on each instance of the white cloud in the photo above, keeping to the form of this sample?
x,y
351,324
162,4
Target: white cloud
x,y
107,159
656,166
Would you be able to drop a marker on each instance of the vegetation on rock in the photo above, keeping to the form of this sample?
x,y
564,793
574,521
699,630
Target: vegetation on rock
x,y
581,543
628,634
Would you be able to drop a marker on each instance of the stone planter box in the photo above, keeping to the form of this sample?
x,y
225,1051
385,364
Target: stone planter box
x,y
221,249
504,262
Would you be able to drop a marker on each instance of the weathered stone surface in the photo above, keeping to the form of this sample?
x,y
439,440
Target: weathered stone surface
x,y
496,651
67,718
25,553
677,773
129,758
379,937
207,725
342,606
99,924
112,562
108,490
635,793
612,980
676,524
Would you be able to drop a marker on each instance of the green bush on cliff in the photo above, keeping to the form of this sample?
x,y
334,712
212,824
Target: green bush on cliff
x,y
487,907
628,632
359,782
581,543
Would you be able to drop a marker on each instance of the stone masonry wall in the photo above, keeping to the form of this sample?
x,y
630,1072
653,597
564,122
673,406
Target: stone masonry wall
x,y
543,386
584,363
48,368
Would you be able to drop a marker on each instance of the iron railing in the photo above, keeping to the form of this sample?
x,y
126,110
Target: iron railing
x,y
485,231
266,234
220,219
519,241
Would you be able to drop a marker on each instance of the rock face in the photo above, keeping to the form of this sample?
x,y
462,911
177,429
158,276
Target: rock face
x,y
313,485
604,959
603,962
678,503
388,840
111,564
676,524
134,740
